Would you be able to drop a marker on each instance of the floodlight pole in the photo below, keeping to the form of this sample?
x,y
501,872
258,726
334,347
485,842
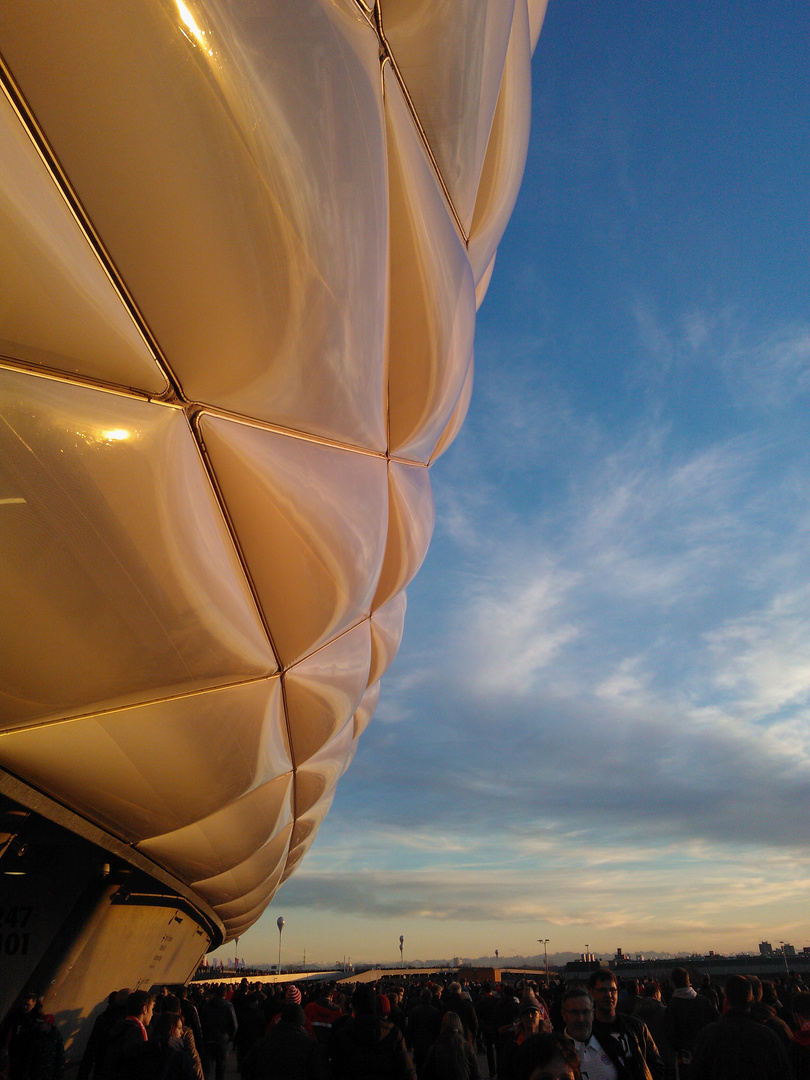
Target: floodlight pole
x,y
401,947
280,925
544,942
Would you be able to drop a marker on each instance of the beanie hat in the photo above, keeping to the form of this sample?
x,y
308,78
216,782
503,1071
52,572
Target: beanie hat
x,y
529,1003
293,995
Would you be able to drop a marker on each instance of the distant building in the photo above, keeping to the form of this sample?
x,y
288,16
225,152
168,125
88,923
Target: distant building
x,y
765,948
788,950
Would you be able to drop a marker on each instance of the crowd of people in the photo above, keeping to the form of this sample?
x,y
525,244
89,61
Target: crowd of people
x,y
433,1029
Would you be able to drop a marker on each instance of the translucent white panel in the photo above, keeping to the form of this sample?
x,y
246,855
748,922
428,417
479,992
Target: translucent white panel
x,y
115,549
155,768
451,55
239,911
323,691
482,286
350,758
236,927
316,779
295,857
229,836
365,710
234,167
386,633
506,153
411,516
458,417
308,824
264,866
59,308
311,521
537,13
432,295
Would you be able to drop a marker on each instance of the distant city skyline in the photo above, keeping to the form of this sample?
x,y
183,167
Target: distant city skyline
x,y
532,960
597,728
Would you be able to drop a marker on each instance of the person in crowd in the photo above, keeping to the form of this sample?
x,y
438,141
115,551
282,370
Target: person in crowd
x,y
652,1012
286,1052
629,998
739,1047
35,1048
129,1033
578,1014
292,996
687,1014
485,1008
162,1056
191,1017
800,1004
462,1006
396,1014
532,1017
626,1040
708,991
764,1008
219,1026
506,1017
367,1047
250,1026
171,1004
95,1051
423,1027
549,1057
451,1057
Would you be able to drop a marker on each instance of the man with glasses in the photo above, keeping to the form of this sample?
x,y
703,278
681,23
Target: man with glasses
x,y
577,1012
625,1039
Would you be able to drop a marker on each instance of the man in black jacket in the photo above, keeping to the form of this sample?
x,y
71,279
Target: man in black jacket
x,y
367,1047
626,1040
287,1052
739,1047
218,1022
686,1016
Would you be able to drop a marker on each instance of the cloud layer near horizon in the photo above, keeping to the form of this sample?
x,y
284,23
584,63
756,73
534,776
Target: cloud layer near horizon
x,y
612,710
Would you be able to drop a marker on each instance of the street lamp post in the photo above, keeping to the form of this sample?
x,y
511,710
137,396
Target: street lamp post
x,y
544,942
280,925
784,957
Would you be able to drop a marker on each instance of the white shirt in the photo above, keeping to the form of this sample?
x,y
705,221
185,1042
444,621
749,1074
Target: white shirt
x,y
593,1061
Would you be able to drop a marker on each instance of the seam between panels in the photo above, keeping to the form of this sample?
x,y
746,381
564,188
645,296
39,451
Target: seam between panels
x,y
111,710
195,409
388,55
294,785
229,525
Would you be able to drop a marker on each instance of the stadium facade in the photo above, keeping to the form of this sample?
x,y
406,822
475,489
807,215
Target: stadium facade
x,y
243,245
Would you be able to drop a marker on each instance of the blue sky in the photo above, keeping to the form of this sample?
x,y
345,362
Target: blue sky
x,y
597,728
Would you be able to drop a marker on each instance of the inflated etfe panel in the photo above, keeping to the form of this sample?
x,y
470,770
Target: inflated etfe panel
x,y
241,249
